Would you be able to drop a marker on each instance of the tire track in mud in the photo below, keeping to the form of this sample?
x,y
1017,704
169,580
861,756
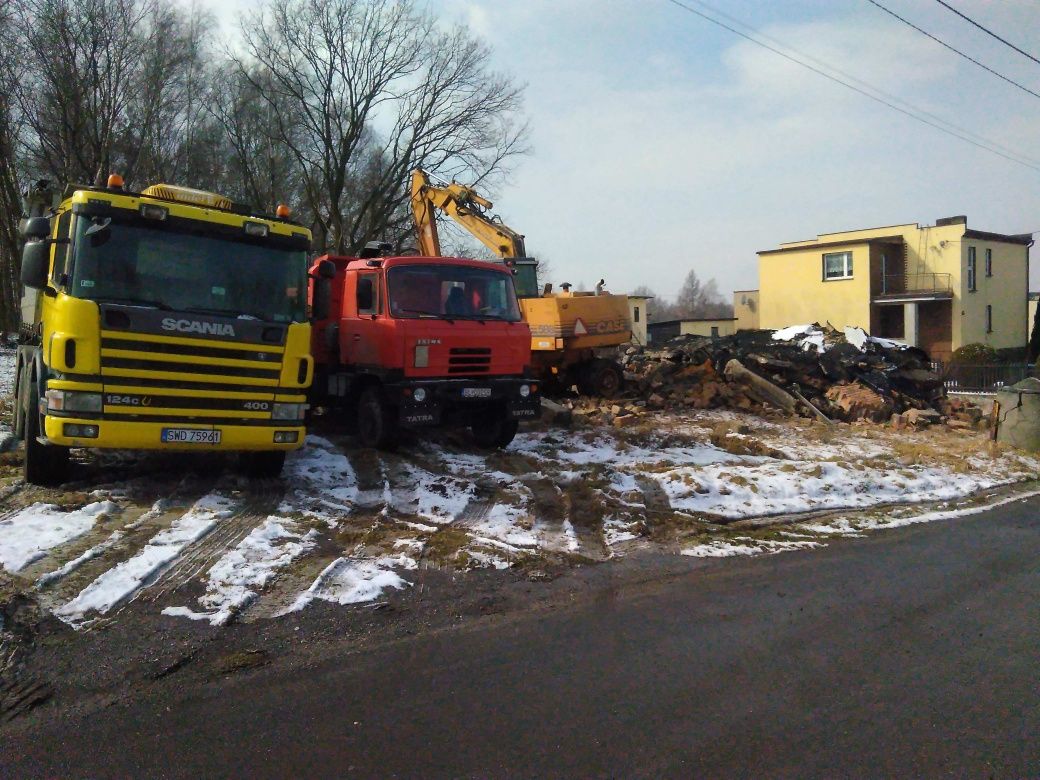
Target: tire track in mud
x,y
200,556
542,500
145,517
197,556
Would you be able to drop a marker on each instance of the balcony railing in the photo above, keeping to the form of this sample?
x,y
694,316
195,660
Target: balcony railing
x,y
905,284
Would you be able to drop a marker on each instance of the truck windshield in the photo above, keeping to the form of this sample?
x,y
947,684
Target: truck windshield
x,y
452,292
131,263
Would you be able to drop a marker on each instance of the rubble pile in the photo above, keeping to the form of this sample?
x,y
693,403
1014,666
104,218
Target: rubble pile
x,y
809,370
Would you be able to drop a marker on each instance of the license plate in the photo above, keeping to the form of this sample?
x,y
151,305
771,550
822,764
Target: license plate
x,y
476,392
190,436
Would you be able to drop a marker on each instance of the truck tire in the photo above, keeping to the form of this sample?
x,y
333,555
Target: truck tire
x,y
376,420
493,430
262,465
45,464
602,378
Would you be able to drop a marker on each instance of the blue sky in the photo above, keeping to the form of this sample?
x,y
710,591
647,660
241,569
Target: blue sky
x,y
662,143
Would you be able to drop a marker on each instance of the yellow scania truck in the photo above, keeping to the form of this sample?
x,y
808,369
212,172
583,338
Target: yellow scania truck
x,y
169,319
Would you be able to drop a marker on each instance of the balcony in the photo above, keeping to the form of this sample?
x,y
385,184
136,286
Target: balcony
x,y
902,288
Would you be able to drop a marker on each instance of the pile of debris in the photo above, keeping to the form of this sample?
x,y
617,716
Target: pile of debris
x,y
809,370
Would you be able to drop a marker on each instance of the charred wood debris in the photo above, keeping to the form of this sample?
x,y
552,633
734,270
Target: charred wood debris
x,y
810,371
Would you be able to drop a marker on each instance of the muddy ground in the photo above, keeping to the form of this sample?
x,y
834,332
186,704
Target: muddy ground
x,y
363,547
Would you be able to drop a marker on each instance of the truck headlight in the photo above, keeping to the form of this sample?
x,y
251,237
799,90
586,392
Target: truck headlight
x,y
72,401
525,390
419,394
288,411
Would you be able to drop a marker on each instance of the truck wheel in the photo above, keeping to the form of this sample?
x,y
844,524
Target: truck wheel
x,y
45,464
262,465
376,421
603,378
493,429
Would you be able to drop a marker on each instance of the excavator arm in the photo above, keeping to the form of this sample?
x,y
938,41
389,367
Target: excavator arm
x,y
467,208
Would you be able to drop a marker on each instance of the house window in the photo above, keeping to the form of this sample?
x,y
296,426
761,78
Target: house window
x,y
971,269
714,331
837,265
635,314
989,262
989,319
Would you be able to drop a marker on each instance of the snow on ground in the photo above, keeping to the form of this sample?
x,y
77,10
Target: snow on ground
x,y
589,492
898,518
346,581
324,485
238,577
438,498
746,545
28,534
119,583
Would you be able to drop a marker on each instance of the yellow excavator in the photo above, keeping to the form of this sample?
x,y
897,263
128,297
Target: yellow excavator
x,y
572,333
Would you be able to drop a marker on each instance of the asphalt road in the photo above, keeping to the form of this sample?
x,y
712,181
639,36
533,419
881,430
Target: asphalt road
x,y
909,653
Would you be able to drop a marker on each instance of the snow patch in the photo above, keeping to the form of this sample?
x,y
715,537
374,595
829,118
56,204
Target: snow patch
x,y
237,578
747,546
28,534
119,583
354,581
323,479
791,332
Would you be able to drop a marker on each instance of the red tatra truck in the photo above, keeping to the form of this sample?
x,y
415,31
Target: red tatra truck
x,y
407,342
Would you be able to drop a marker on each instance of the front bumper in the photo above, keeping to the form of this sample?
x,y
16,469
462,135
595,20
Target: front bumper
x,y
122,435
460,399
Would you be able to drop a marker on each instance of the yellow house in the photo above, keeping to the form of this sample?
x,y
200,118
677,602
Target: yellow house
x,y
938,287
637,316
708,327
745,309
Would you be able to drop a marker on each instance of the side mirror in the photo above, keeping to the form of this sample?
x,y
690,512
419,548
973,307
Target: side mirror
x,y
327,269
36,260
365,298
321,302
36,227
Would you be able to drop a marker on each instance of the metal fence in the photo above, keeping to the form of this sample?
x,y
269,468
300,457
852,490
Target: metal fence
x,y
896,284
981,377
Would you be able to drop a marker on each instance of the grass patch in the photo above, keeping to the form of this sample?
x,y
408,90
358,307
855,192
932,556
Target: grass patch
x,y
446,546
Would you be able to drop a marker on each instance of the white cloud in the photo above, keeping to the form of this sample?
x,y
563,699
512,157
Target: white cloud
x,y
663,143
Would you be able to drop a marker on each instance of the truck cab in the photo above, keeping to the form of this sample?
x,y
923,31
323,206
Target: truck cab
x,y
166,319
405,342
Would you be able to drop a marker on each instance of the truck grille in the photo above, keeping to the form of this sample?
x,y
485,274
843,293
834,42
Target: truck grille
x,y
204,381
469,360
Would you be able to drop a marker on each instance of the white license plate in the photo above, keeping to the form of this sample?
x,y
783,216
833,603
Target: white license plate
x,y
190,436
476,392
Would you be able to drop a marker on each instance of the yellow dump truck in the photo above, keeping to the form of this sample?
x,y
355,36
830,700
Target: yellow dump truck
x,y
169,319
572,333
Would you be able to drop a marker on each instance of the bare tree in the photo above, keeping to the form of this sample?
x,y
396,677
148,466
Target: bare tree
x,y
361,92
10,201
172,135
698,299
262,171
116,85
81,60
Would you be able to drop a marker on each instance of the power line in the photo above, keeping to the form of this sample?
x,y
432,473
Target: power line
x,y
871,88
954,50
957,133
988,32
